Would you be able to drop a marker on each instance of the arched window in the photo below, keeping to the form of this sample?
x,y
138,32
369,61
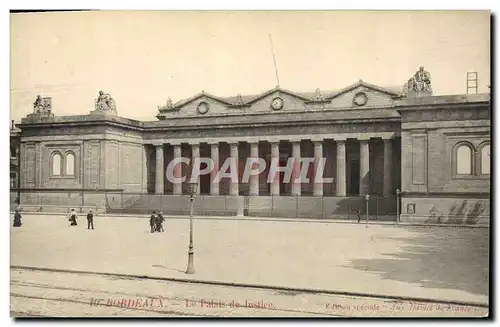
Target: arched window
x,y
56,164
70,164
485,160
464,160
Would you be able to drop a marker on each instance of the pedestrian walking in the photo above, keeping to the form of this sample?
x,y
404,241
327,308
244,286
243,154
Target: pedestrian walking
x,y
159,222
72,217
358,212
17,219
152,222
90,220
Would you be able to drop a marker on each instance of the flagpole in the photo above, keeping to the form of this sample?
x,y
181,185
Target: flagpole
x,y
274,60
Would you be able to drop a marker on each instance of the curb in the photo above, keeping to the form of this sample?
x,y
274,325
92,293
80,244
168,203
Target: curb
x,y
259,286
293,220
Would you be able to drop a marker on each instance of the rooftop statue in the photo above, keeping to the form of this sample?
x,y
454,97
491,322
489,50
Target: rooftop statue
x,y
42,105
420,82
317,95
105,102
168,105
239,99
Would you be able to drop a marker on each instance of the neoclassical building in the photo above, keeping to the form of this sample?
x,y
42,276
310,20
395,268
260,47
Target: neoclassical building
x,y
434,151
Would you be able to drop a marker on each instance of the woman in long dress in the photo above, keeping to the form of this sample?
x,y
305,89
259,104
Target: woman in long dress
x,y
17,219
72,217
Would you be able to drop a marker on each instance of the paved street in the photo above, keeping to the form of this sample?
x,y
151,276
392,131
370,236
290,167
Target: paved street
x,y
428,262
35,293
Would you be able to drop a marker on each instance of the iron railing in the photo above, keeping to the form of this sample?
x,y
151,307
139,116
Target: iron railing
x,y
117,202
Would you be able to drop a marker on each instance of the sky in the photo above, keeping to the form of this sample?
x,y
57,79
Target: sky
x,y
141,58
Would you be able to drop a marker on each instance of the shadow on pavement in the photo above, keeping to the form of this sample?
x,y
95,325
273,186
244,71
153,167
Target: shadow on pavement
x,y
446,258
167,268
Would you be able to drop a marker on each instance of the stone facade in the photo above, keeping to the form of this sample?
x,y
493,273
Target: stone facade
x,y
431,130
375,141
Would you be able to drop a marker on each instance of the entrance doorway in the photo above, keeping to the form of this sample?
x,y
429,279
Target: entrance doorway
x,y
353,183
204,180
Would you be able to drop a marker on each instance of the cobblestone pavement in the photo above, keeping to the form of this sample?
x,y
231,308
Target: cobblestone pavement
x,y
35,293
428,262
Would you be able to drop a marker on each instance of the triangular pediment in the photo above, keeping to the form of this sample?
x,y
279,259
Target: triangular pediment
x,y
362,84
361,94
200,97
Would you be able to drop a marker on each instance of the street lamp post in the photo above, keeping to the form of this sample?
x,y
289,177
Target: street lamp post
x,y
398,196
192,192
367,199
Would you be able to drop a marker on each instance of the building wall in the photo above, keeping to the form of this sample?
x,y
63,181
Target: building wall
x,y
107,160
432,191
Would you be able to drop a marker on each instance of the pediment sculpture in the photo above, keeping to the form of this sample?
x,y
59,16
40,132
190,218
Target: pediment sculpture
x,y
239,100
105,102
318,96
42,106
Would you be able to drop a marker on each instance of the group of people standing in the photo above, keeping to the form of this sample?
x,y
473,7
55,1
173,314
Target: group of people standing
x,y
90,219
156,222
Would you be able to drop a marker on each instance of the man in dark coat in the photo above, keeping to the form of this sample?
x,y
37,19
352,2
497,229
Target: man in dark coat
x,y
152,221
90,220
159,222
17,219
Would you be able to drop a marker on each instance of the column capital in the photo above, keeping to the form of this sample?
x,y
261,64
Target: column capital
x,y
340,139
253,143
364,138
233,143
158,143
212,143
316,139
194,143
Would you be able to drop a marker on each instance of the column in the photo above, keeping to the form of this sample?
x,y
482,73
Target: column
x,y
296,168
195,157
364,167
214,185
341,168
159,169
388,167
235,184
177,169
145,158
275,156
254,179
318,154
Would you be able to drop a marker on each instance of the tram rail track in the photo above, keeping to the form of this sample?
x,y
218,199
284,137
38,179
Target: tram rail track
x,y
276,289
